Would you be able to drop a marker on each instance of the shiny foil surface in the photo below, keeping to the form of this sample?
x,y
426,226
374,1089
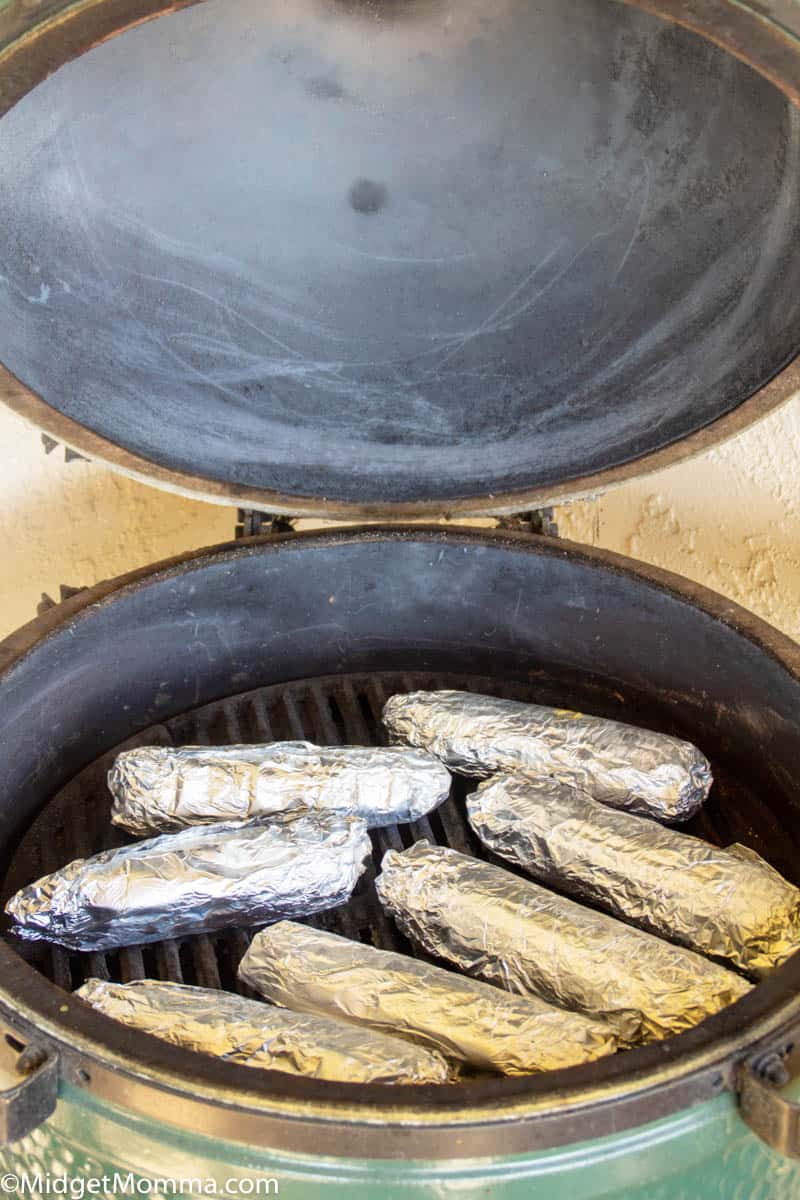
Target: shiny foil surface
x,y
164,789
468,1021
522,937
202,879
635,769
727,903
259,1035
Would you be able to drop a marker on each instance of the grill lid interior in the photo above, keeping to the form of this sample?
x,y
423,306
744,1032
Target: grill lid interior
x,y
361,257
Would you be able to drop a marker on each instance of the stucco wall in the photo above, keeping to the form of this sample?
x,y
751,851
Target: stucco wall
x,y
730,519
76,523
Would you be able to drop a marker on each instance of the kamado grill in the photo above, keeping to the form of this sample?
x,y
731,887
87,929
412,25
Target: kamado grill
x,y
390,261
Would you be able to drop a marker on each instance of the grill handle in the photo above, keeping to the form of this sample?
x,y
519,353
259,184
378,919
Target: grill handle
x,y
29,1079
770,1114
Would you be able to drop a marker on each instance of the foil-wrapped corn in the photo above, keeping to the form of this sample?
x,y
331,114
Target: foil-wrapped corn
x,y
522,937
636,769
720,902
197,881
163,789
468,1021
258,1035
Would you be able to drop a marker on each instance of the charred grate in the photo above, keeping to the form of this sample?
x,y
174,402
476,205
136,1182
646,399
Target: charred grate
x,y
330,711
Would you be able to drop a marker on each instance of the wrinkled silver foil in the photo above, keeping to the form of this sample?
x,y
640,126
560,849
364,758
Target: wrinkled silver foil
x,y
715,901
636,769
258,1035
162,789
465,1019
522,937
203,879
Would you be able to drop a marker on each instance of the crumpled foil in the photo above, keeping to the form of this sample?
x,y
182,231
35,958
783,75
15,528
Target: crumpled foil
x,y
162,789
716,901
203,879
636,769
520,936
258,1035
466,1020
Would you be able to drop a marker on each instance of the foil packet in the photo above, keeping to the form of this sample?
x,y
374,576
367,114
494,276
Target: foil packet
x,y
468,1021
635,769
727,903
197,881
522,937
164,789
258,1035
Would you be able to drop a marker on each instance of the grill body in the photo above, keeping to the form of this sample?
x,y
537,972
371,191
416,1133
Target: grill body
x,y
521,402
706,1151
304,636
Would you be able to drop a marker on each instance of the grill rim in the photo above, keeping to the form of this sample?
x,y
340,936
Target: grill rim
x,y
225,1100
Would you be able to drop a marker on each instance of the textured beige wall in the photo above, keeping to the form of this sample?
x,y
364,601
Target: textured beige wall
x,y
77,523
730,519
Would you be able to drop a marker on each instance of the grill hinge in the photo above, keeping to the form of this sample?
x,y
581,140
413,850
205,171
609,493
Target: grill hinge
x,y
28,1086
537,520
770,1114
252,523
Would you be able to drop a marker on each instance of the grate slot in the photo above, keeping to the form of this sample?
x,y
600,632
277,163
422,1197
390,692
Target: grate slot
x,y
357,731
296,728
327,730
97,967
261,719
233,729
204,958
168,962
200,728
452,818
52,961
422,829
131,963
372,699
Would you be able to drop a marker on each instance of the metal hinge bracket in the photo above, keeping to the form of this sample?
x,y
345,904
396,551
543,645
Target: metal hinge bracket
x,y
30,1087
537,520
770,1114
252,523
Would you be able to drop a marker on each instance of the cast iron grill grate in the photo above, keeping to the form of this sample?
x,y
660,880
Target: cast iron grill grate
x,y
332,710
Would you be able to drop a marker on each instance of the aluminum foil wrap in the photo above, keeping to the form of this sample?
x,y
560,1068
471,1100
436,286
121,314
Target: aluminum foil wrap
x,y
162,789
468,1021
258,1035
636,769
520,936
203,879
716,901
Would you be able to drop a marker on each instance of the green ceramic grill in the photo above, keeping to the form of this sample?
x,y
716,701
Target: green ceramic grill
x,y
383,260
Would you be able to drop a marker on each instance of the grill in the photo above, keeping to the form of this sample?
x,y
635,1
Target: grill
x,y
393,259
305,636
332,710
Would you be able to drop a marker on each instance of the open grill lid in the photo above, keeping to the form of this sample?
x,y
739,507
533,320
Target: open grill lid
x,y
397,257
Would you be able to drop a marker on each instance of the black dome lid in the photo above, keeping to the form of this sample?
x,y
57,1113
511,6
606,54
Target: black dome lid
x,y
400,256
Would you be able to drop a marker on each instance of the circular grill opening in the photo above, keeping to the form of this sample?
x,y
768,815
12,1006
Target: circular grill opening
x,y
195,651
